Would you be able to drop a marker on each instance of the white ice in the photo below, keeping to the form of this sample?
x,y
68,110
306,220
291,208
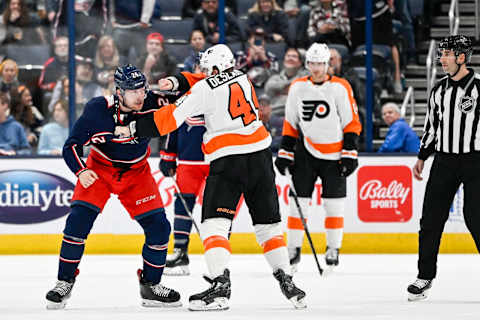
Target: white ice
x,y
362,287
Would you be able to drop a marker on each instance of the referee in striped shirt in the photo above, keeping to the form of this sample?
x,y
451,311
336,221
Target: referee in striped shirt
x,y
452,132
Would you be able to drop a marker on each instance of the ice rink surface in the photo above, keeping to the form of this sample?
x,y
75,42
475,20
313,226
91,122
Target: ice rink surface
x,y
362,287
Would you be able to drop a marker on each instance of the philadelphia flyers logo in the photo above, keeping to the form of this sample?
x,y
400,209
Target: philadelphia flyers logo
x,y
319,108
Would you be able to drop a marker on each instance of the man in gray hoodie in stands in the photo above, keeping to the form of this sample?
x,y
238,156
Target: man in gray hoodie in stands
x,y
277,85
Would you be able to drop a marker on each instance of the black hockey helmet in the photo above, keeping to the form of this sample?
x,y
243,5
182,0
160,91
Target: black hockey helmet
x,y
459,44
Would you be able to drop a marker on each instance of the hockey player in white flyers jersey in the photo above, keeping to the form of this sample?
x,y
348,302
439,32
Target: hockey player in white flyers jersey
x,y
320,137
237,145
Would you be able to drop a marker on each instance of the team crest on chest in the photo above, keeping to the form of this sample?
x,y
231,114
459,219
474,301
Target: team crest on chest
x,y
467,104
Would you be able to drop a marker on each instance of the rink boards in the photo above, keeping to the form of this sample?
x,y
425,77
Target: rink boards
x,y
382,213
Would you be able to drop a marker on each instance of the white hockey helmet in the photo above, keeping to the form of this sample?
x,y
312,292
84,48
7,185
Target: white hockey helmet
x,y
219,56
318,52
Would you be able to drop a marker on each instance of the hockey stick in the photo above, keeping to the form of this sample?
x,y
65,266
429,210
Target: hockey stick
x,y
182,199
304,222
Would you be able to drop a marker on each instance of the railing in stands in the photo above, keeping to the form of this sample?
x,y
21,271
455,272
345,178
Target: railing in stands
x,y
477,28
409,97
454,17
431,67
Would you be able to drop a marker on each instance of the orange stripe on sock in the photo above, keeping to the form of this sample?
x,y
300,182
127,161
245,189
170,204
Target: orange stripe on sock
x,y
333,222
295,223
216,242
273,243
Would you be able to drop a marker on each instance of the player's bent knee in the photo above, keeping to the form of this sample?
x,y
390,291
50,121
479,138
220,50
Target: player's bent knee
x,y
215,227
156,228
265,232
80,222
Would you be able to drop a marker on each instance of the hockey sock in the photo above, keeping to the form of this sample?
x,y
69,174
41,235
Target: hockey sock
x,y
334,209
270,237
217,247
70,255
77,227
294,222
154,253
182,223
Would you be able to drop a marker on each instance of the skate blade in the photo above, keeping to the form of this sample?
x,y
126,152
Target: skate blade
x,y
328,270
158,304
294,268
56,305
417,297
298,303
177,271
218,304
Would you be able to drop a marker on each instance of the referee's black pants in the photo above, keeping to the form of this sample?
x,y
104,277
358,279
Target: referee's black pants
x,y
447,173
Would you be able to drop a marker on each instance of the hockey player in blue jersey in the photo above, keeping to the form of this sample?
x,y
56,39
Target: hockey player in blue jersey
x,y
119,166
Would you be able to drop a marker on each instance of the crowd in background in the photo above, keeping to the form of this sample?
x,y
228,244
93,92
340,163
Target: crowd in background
x,y
34,103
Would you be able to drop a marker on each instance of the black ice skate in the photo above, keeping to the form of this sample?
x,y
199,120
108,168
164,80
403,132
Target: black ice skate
x,y
58,296
289,290
419,289
214,298
294,254
177,264
157,295
331,257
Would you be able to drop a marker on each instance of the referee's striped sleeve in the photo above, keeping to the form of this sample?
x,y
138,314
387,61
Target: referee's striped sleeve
x,y
427,146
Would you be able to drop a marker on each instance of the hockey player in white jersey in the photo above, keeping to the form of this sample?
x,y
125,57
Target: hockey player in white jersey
x,y
237,146
320,137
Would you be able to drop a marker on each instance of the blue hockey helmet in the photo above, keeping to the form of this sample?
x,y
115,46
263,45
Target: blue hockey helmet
x,y
129,77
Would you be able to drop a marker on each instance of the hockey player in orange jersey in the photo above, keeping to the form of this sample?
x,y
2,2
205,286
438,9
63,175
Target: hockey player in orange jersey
x,y
237,145
320,137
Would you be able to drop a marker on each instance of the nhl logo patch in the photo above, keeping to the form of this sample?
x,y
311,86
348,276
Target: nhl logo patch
x,y
467,104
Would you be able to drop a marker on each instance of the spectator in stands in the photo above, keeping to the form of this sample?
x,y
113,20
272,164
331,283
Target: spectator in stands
x,y
278,84
85,87
197,41
23,110
18,26
258,63
272,123
91,19
266,14
8,75
107,59
56,66
55,133
206,20
13,139
403,24
335,63
383,34
131,20
190,7
156,63
60,92
329,23
400,137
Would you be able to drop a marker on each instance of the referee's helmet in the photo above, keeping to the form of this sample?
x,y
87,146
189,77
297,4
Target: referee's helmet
x,y
459,44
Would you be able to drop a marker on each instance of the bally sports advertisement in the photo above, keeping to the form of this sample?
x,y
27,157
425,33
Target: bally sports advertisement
x,y
382,211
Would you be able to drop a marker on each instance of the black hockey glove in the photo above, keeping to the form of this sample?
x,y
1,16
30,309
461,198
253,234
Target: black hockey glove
x,y
349,158
285,154
168,163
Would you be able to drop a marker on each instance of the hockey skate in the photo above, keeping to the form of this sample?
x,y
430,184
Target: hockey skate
x,y
58,296
157,295
419,289
289,290
294,256
214,298
177,265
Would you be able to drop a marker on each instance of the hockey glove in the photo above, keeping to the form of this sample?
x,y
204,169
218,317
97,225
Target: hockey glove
x,y
168,163
284,160
348,163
